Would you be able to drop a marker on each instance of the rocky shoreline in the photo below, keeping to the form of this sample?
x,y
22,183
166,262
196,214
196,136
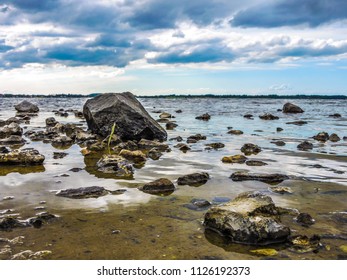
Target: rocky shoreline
x,y
122,137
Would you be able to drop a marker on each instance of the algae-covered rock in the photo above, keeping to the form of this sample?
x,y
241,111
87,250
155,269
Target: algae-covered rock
x,y
25,157
145,144
265,252
116,165
234,159
250,219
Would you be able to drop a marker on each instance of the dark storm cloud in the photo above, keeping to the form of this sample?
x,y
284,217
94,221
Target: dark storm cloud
x,y
293,12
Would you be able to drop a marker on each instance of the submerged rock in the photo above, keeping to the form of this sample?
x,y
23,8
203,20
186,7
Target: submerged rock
x,y
278,143
248,116
255,163
87,192
299,123
268,117
204,117
250,148
291,108
30,255
159,186
215,146
178,139
304,244
165,115
249,219
25,157
305,219
266,178
196,137
26,107
336,115
193,179
306,145
123,109
281,190
197,204
9,223
116,165
279,129
234,159
235,132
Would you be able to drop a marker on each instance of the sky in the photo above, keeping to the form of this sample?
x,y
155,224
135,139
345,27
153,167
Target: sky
x,y
152,47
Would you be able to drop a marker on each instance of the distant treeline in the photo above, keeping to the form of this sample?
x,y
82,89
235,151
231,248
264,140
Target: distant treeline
x,y
271,96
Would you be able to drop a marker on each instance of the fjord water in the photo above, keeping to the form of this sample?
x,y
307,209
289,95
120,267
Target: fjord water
x,y
135,225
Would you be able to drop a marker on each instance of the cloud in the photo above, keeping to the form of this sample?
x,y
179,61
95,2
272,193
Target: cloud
x,y
289,13
282,87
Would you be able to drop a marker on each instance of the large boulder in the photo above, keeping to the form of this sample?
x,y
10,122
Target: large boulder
x,y
251,218
123,109
291,108
26,107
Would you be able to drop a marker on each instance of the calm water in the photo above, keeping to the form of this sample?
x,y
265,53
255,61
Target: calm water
x,y
153,227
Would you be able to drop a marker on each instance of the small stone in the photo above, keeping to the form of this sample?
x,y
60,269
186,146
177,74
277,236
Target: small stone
x,y
250,148
178,139
8,198
87,192
334,137
321,136
336,115
255,163
154,154
279,129
204,117
116,231
299,123
235,132
165,115
215,145
268,117
179,111
281,190
194,179
234,159
305,145
265,252
171,125
134,156
305,219
278,143
159,186
343,248
266,178
248,116
182,147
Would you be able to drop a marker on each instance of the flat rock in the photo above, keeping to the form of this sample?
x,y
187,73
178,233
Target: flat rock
x,y
25,157
165,115
299,123
248,219
26,107
87,192
159,186
281,190
194,179
279,143
235,132
154,154
12,140
196,137
234,159
266,178
255,163
291,108
132,120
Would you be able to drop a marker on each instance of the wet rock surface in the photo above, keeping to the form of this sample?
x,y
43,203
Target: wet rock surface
x,y
159,186
26,107
290,108
10,129
266,178
194,179
123,109
86,192
305,219
134,156
204,117
250,148
255,163
12,140
115,164
321,136
305,145
22,157
144,144
234,159
248,219
215,146
268,117
235,132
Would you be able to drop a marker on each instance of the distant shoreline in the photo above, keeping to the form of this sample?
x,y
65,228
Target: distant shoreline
x,y
245,96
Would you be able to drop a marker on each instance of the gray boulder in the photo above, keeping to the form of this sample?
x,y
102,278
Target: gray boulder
x,y
131,119
26,107
291,108
251,218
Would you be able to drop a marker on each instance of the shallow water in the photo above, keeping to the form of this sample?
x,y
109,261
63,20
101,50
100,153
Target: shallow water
x,y
153,227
